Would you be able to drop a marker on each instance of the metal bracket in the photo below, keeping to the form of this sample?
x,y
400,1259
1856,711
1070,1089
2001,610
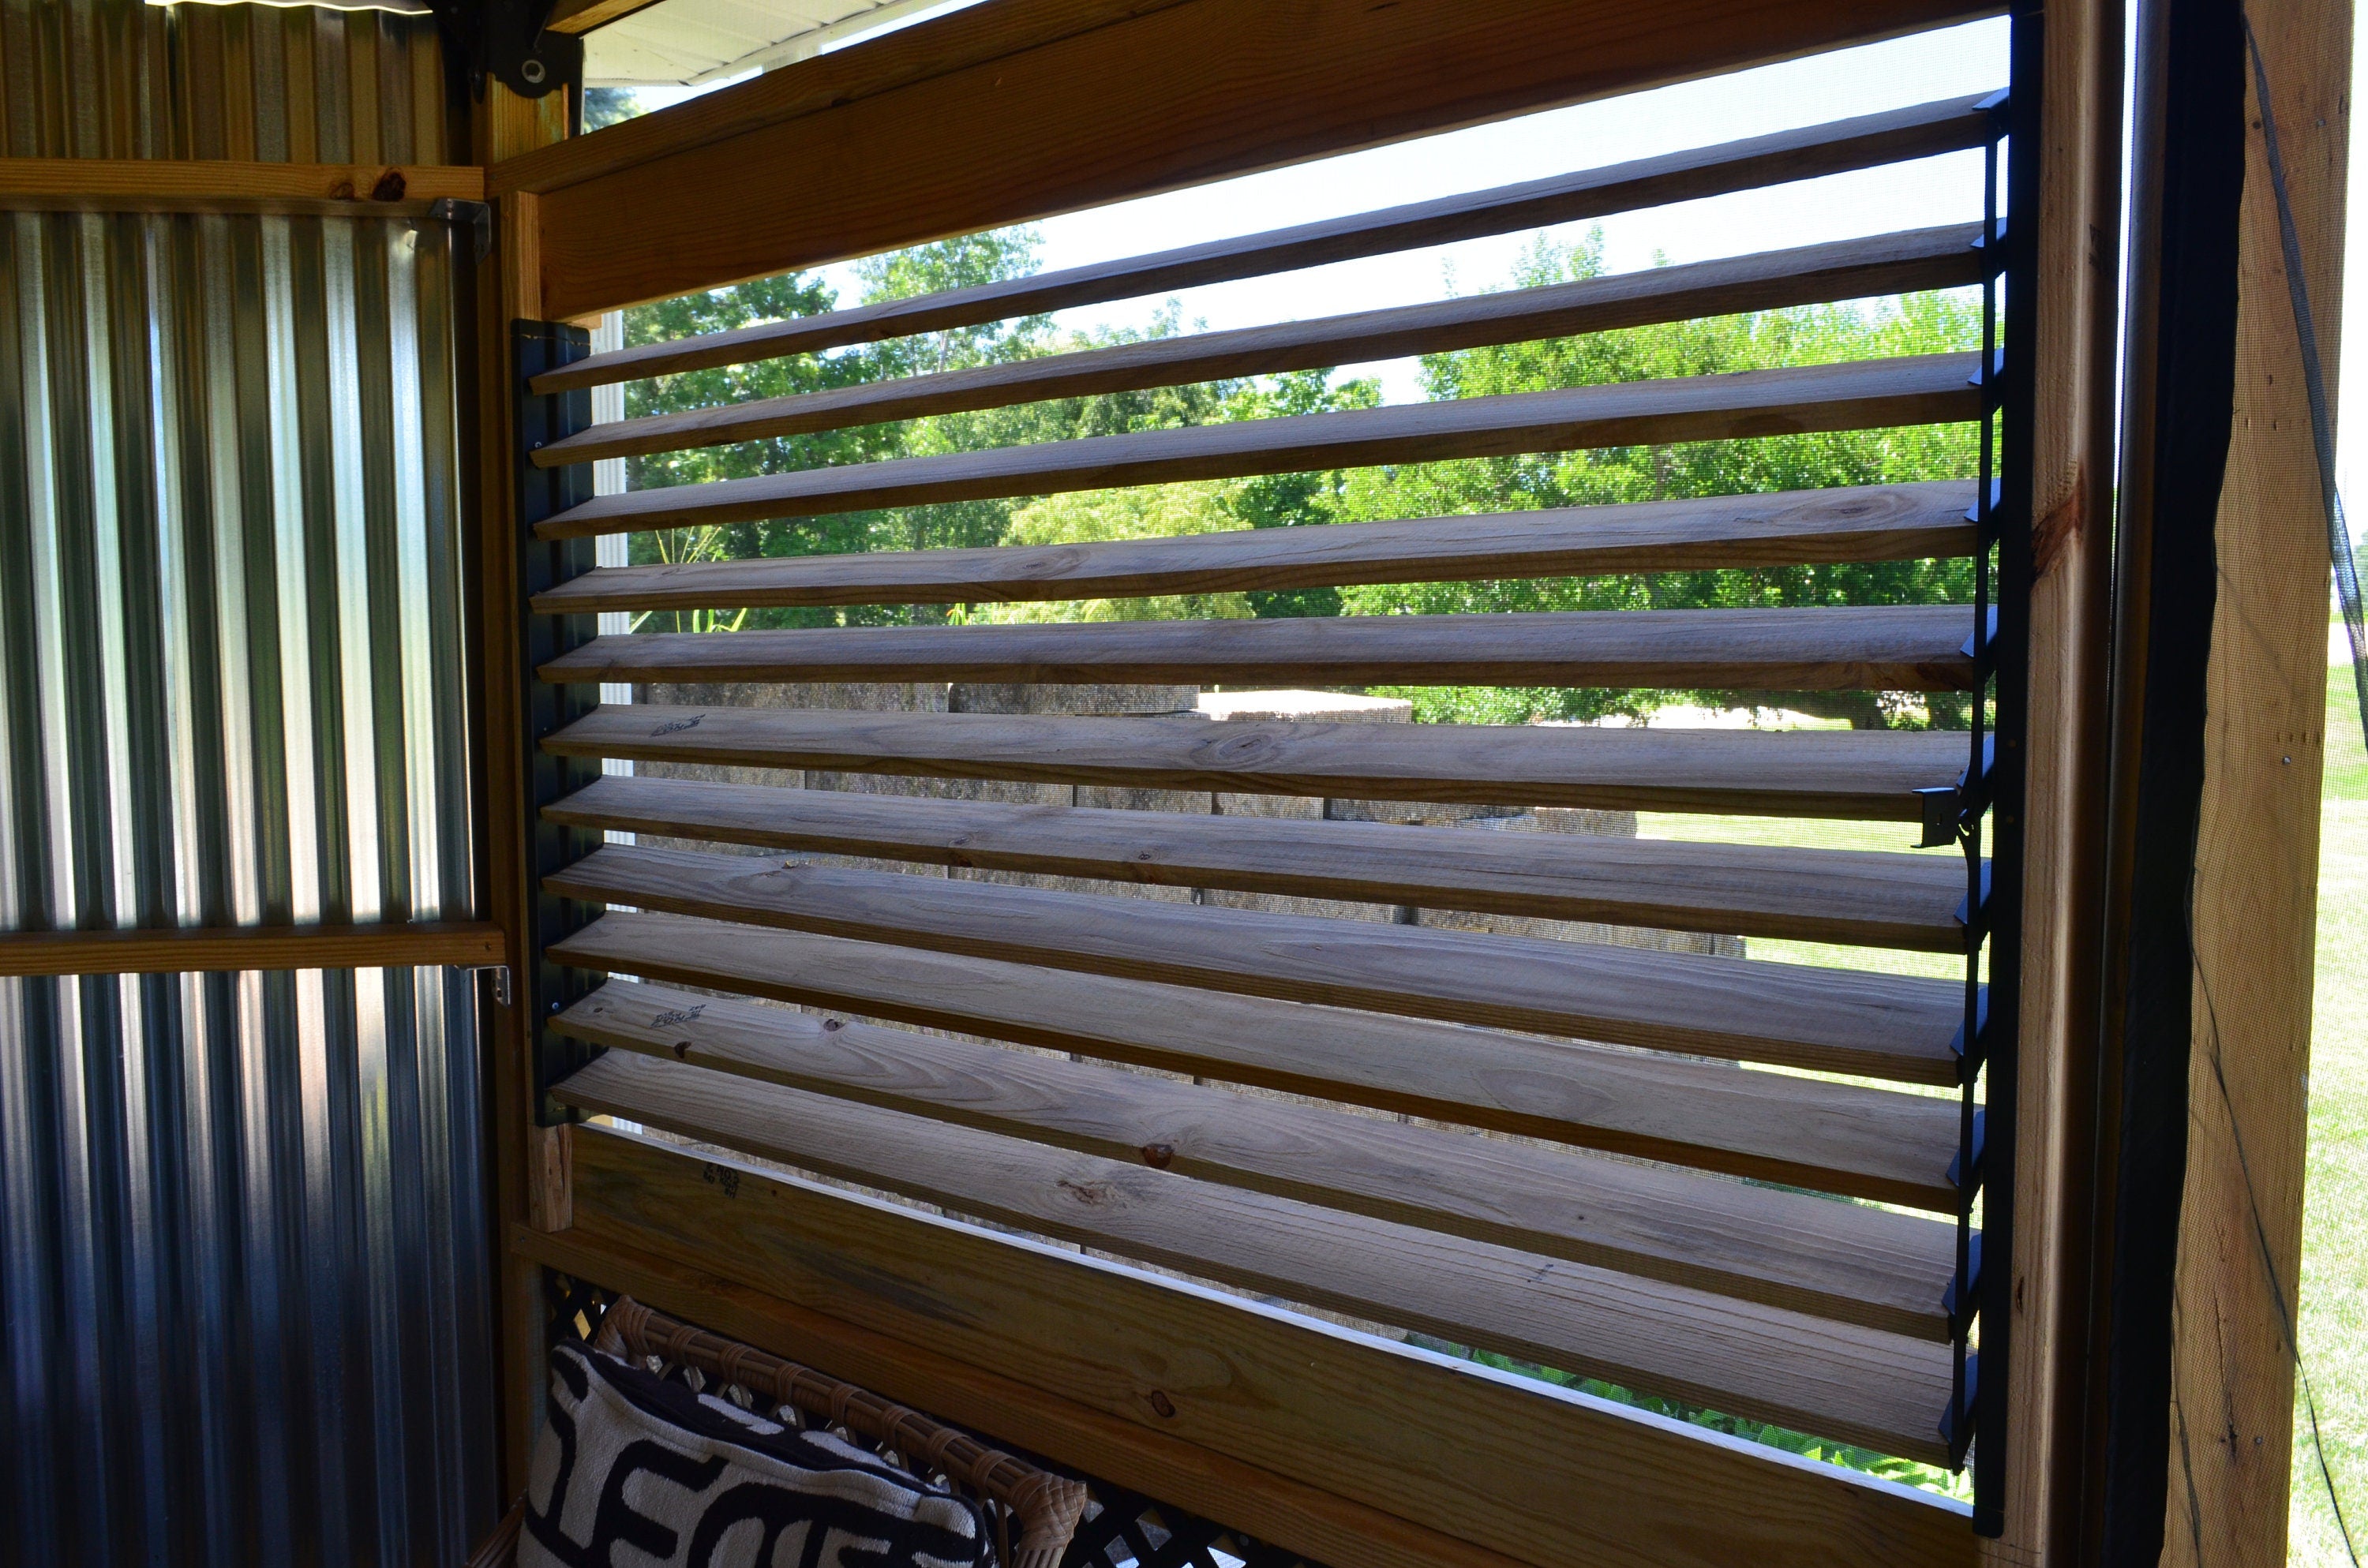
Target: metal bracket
x,y
507,40
1961,1299
501,973
1957,1042
1957,1422
1976,920
1965,1175
1937,814
478,215
542,418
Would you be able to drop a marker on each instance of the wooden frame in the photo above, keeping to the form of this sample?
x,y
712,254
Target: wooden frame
x,y
2255,905
222,184
1020,108
185,949
1446,1453
1075,125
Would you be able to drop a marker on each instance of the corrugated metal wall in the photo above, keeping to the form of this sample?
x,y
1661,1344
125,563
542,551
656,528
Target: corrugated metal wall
x,y
243,1230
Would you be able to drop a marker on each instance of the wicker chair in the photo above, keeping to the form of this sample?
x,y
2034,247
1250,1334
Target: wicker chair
x,y
1043,1507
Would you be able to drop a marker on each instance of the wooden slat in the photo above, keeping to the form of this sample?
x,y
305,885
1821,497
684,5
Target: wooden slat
x,y
1838,1381
1443,1445
1021,119
242,949
1891,263
1775,1127
224,185
1861,394
1844,1261
1819,895
1850,270
1832,1020
1826,773
1902,522
1881,648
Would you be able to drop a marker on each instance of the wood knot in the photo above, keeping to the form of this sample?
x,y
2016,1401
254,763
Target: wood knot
x,y
834,1023
1158,1156
1162,1404
390,186
682,1050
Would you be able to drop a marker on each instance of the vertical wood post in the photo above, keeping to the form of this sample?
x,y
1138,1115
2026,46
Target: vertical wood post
x,y
2257,860
2071,512
530,1162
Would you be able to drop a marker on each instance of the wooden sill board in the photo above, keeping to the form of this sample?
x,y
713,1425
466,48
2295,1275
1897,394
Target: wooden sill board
x,y
1061,1353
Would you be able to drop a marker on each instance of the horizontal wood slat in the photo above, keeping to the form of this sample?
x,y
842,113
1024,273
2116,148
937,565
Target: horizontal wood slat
x,y
1820,895
1649,182
226,184
1861,394
1901,522
191,949
1016,1334
1881,648
1839,1380
1821,773
1844,1261
1850,270
1773,1126
916,141
1835,1020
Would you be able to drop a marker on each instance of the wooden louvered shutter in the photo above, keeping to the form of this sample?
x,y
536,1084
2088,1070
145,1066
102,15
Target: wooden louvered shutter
x,y
1228,1087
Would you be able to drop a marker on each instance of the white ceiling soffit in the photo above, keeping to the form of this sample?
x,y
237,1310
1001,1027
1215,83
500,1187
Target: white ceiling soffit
x,y
694,42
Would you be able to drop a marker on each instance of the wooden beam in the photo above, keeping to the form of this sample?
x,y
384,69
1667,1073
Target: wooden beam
x,y
506,287
222,184
196,949
1905,522
1771,1127
1831,773
2255,893
1036,107
1884,648
1819,895
1857,395
1268,1507
2068,724
582,16
1883,1391
1483,1458
1846,1261
1826,1019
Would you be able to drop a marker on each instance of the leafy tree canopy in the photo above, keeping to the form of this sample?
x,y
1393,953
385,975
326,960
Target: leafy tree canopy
x,y
1768,339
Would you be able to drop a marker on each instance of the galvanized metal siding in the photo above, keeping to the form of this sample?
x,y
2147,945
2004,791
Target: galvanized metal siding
x,y
243,1226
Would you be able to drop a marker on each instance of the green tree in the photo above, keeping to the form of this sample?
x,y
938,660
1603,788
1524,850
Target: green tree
x,y
1763,340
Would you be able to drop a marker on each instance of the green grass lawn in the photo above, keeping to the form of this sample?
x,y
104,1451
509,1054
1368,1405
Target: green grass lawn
x,y
2335,1221
2335,1234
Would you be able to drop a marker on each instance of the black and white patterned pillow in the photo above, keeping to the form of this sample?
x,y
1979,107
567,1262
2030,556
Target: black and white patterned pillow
x,y
636,1471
